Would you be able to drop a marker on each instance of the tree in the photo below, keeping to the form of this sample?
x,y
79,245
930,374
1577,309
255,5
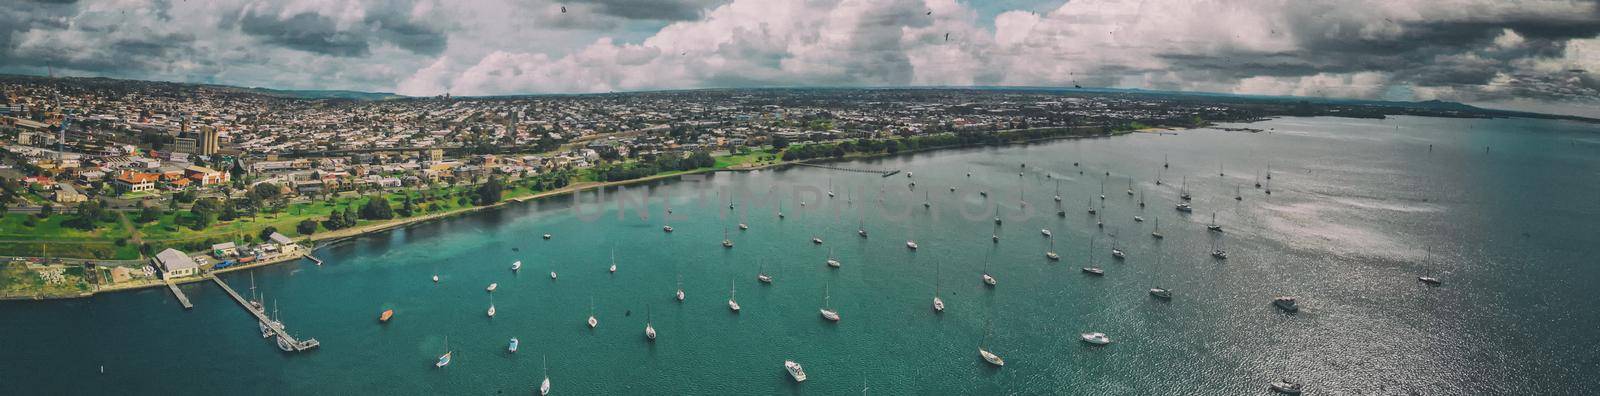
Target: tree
x,y
205,212
377,208
780,142
489,192
265,191
306,227
150,214
89,215
267,232
46,210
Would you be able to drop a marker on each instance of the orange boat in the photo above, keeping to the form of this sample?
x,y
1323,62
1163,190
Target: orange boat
x,y
385,317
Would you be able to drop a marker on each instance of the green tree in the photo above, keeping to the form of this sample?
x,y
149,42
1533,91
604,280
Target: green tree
x,y
489,192
150,214
267,232
377,208
306,227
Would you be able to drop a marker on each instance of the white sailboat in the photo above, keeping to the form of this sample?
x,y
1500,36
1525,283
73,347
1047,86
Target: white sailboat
x,y
1214,226
1156,233
444,360
1051,254
649,330
987,279
733,291
491,305
762,276
983,349
491,287
679,295
832,262
1058,191
938,303
827,310
613,261
544,386
1158,291
727,243
517,265
592,321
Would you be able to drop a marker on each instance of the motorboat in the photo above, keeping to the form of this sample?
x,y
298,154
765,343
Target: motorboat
x,y
1430,281
513,347
547,236
516,265
1096,271
1045,232
1161,293
1287,387
911,245
492,286
1095,338
795,371
1286,303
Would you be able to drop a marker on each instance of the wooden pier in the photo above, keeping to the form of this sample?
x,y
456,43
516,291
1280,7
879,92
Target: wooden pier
x,y
881,172
182,299
314,258
285,341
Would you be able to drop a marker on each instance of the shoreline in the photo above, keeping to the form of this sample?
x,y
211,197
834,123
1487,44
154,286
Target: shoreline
x,y
354,232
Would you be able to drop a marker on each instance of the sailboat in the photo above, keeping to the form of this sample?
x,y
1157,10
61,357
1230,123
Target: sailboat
x,y
1141,198
1051,254
1219,170
925,203
727,243
1429,280
679,295
827,311
733,304
1130,187
649,330
1258,179
1093,268
1183,192
1058,191
1158,177
544,386
762,276
491,287
1091,207
1217,252
987,279
1115,252
1156,233
444,360
1164,163
1269,171
830,188
832,262
613,261
1237,196
861,228
938,304
491,305
516,266
983,349
592,321
1102,189
997,219
1214,226
1158,291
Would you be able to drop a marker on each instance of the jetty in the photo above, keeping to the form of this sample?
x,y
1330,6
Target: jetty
x,y
314,258
881,172
285,341
182,299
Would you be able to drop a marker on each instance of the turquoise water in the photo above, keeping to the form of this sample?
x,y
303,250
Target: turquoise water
x,y
1356,206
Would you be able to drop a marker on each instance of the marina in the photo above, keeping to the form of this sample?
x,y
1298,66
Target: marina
x,y
1341,240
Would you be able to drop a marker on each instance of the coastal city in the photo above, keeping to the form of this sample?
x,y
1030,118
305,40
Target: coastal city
x,y
100,176
799,197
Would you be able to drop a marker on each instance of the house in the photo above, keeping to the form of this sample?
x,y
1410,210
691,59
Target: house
x,y
205,176
175,264
225,249
66,194
130,181
283,241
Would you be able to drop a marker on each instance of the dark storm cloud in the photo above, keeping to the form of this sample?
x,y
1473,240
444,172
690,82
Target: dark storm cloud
x,y
659,10
321,34
306,32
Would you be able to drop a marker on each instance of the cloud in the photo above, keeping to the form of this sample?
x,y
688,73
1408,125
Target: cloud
x,y
1527,54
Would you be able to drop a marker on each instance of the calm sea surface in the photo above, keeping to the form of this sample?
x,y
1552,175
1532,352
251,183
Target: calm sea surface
x,y
1356,206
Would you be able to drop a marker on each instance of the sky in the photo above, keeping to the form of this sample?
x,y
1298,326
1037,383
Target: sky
x,y
1539,56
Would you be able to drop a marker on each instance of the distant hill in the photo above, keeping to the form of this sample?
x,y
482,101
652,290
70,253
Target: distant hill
x,y
325,94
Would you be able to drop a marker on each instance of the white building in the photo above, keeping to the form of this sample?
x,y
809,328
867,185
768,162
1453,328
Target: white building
x,y
176,264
